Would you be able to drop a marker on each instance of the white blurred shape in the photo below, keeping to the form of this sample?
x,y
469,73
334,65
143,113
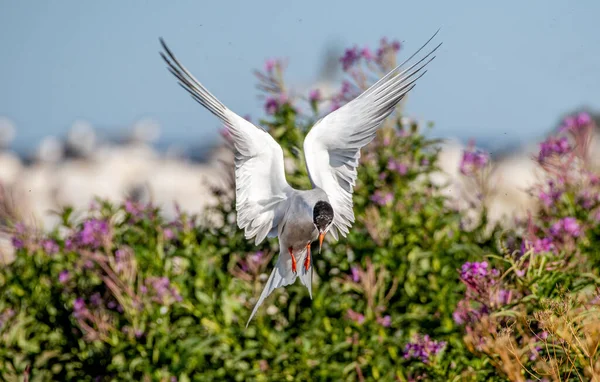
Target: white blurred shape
x,y
10,167
7,131
146,130
50,150
82,137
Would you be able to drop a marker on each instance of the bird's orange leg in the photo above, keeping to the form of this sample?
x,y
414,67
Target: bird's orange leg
x,y
307,260
290,250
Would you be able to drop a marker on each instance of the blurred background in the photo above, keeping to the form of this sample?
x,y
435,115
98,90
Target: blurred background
x,y
88,109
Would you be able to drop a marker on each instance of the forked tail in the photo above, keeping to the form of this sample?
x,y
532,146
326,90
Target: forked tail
x,y
282,276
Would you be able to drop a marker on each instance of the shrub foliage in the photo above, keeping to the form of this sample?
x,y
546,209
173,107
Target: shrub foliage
x,y
419,290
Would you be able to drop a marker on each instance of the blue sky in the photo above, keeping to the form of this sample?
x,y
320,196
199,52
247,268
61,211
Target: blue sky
x,y
506,72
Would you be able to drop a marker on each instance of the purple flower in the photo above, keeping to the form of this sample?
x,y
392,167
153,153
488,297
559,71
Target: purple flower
x,y
162,290
474,269
583,119
535,353
18,243
270,65
355,316
553,146
385,321
423,348
400,168
271,106
551,196
355,274
461,314
571,123
79,307
382,198
571,226
502,297
478,275
314,95
568,226
335,104
386,48
587,199
96,299
50,246
136,210
257,257
94,230
346,89
472,161
350,57
120,255
63,277
366,54
465,312
168,232
538,245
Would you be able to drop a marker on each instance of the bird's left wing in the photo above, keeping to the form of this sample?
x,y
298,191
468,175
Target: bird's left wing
x,y
261,187
332,147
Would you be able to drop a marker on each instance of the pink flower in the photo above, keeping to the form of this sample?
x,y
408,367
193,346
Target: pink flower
x,y
50,246
566,226
575,122
400,168
538,245
270,65
553,146
350,57
315,95
385,321
63,277
355,316
366,54
271,106
382,198
423,348
472,161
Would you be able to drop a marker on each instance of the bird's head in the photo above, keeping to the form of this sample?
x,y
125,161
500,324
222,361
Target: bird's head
x,y
322,218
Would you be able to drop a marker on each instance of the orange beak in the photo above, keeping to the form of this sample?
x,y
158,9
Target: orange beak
x,y
321,237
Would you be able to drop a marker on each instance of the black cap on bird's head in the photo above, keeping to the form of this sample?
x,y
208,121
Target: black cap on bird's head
x,y
322,217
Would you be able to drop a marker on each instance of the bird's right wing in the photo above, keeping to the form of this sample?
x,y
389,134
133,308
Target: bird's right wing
x,y
259,170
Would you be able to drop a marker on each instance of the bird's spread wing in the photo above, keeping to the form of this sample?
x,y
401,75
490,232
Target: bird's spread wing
x,y
332,147
259,170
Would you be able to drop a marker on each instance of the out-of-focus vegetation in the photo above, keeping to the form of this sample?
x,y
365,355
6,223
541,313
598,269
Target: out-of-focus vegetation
x,y
419,290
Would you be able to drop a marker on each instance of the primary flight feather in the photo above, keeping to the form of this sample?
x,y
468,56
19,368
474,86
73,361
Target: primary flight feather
x,y
267,205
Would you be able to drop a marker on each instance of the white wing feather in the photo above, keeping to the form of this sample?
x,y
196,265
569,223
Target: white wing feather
x,y
259,170
332,147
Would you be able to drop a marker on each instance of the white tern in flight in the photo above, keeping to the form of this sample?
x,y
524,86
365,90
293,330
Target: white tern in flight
x,y
267,206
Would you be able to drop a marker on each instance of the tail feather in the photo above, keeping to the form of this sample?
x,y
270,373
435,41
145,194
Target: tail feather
x,y
282,276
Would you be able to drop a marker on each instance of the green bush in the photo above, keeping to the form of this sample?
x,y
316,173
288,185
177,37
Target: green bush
x,y
121,294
